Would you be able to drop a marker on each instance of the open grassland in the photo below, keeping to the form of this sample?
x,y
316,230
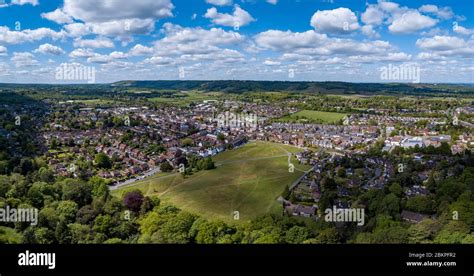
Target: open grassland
x,y
185,98
248,180
313,116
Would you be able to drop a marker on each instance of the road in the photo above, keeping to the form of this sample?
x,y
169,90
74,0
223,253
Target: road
x,y
133,180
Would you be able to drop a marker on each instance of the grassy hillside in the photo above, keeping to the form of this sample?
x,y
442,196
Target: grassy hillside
x,y
248,180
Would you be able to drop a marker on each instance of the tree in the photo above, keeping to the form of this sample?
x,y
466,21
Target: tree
x,y
296,234
101,160
341,172
208,232
421,204
166,167
80,233
423,232
67,210
390,205
133,200
453,232
221,137
103,224
187,142
99,186
4,185
396,189
77,191
326,236
46,175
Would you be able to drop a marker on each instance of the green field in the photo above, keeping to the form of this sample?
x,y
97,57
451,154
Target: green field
x,y
248,180
185,98
313,116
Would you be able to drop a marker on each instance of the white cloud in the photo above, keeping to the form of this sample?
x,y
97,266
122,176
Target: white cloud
x,y
447,46
441,12
411,21
109,10
369,31
239,17
195,45
17,37
273,2
220,2
270,62
24,2
440,43
94,43
311,44
158,60
285,41
114,18
23,59
57,16
77,29
123,27
113,56
339,21
140,50
81,53
463,31
3,50
49,49
373,15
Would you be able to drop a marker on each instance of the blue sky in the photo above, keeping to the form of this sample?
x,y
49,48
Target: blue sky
x,y
320,40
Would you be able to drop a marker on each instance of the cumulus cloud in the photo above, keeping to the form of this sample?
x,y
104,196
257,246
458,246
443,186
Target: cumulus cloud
x,y
310,44
140,50
117,18
273,2
403,20
441,12
57,16
100,42
446,46
287,40
77,29
23,59
339,21
196,44
24,2
113,56
440,43
373,15
411,21
238,18
369,31
49,49
18,37
109,10
461,30
3,50
81,53
220,2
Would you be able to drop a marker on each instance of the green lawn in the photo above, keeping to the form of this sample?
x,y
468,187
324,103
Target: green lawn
x,y
248,180
313,116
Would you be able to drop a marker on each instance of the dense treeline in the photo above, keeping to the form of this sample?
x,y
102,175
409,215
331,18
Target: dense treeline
x,y
299,86
78,211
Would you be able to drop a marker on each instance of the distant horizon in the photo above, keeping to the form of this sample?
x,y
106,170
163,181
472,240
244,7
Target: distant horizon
x,y
243,80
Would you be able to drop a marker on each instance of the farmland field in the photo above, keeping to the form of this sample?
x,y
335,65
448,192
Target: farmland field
x,y
313,116
248,180
185,98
